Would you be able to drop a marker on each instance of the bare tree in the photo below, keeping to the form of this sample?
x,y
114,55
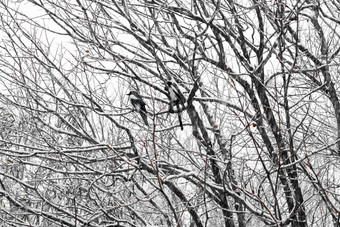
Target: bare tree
x,y
253,84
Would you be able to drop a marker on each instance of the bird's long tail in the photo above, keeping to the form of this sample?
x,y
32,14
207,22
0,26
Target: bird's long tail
x,y
145,118
180,121
179,116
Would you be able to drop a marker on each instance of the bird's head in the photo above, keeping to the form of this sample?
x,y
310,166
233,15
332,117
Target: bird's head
x,y
132,93
169,83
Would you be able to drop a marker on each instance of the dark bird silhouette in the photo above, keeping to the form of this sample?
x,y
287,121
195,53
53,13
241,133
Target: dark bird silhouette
x,y
139,105
175,100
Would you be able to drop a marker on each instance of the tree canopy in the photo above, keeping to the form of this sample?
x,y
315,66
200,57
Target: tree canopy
x,y
254,83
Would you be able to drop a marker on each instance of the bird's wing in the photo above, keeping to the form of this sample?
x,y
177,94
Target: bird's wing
x,y
142,107
140,102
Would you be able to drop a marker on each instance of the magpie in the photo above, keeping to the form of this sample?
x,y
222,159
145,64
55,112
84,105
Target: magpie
x,y
175,99
138,103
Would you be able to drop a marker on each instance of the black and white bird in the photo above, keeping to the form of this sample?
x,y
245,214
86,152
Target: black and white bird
x,y
175,100
139,105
